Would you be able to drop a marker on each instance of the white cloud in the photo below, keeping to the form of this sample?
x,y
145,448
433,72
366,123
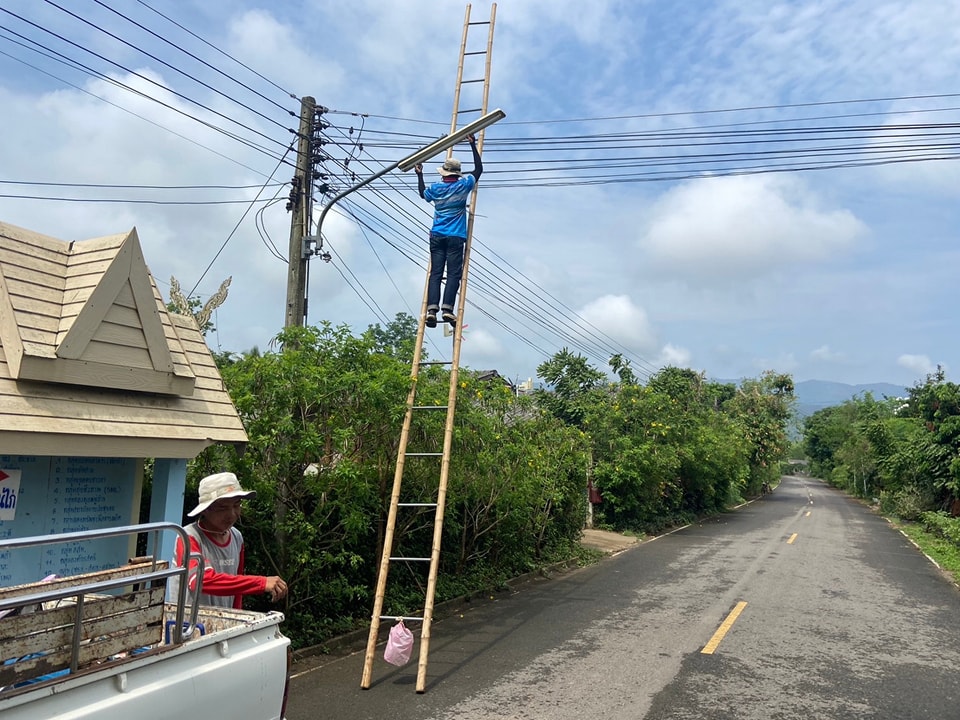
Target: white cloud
x,y
672,355
618,318
276,50
751,51
918,364
741,227
480,345
825,354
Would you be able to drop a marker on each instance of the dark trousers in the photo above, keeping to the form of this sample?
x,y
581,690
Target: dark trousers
x,y
446,253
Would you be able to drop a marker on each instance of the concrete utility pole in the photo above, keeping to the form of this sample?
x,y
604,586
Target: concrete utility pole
x,y
301,207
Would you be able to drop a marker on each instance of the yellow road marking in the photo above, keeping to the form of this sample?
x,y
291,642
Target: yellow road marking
x,y
792,538
724,628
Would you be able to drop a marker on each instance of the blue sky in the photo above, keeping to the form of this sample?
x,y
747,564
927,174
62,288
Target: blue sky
x,y
843,274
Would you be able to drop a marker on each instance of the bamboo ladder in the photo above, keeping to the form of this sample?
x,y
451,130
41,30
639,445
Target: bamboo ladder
x,y
402,453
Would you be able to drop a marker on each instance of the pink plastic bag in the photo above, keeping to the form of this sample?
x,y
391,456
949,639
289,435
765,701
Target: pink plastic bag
x,y
399,645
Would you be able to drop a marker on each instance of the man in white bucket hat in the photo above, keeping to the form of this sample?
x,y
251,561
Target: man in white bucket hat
x,y
449,231
214,536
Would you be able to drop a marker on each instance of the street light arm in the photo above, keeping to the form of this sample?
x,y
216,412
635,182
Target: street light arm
x,y
336,198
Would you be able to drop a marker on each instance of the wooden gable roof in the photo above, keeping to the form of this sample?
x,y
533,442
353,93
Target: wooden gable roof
x,y
79,312
90,355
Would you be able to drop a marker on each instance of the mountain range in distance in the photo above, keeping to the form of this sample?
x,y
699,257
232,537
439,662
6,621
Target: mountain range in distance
x,y
813,395
818,394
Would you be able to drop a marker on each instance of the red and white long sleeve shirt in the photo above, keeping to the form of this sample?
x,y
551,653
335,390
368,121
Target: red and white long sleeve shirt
x,y
224,583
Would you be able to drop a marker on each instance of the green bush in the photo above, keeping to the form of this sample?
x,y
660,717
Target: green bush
x,y
907,503
840,477
943,525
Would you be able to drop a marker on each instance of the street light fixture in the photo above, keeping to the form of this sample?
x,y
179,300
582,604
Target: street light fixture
x,y
421,155
448,141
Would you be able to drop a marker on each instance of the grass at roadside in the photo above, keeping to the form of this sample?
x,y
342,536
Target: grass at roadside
x,y
940,549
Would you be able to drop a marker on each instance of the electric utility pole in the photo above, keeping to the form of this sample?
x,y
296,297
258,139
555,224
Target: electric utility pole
x,y
300,206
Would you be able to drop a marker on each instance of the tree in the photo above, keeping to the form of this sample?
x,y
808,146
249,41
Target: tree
x,y
397,339
665,452
824,433
936,403
877,448
321,417
763,408
573,387
621,367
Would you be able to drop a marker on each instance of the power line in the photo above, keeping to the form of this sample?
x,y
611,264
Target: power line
x,y
262,229
495,289
693,113
105,186
106,78
139,75
198,59
162,62
235,227
214,47
578,333
365,297
123,109
130,201
745,108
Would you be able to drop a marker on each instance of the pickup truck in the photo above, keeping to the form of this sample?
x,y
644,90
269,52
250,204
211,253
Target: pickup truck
x,y
111,645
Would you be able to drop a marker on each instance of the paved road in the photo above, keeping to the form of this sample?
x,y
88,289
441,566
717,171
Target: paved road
x,y
843,618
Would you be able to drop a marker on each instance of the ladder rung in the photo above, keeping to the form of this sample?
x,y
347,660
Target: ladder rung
x,y
468,82
406,559
411,454
430,407
476,52
416,504
479,22
464,112
437,362
405,618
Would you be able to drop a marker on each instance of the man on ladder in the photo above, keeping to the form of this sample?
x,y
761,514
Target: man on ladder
x,y
449,231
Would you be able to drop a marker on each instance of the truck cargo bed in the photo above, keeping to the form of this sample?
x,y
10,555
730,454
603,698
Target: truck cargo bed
x,y
108,645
